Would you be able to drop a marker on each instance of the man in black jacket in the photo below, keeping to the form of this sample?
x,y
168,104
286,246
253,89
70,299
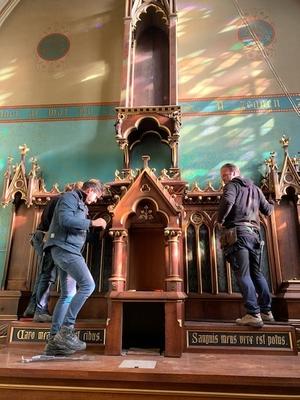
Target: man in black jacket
x,y
238,216
47,273
38,303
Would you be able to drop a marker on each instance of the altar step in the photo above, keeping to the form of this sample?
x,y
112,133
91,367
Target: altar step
x,y
198,337
276,338
26,331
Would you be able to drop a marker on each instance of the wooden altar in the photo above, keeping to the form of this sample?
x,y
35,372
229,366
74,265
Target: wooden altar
x,y
159,269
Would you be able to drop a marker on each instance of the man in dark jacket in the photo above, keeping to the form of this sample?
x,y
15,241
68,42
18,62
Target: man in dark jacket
x,y
38,303
238,216
67,236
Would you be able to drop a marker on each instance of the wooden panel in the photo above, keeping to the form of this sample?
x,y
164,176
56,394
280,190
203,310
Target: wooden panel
x,y
288,240
20,276
151,78
147,259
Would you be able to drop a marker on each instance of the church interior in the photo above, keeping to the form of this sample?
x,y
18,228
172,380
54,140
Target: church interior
x,y
151,97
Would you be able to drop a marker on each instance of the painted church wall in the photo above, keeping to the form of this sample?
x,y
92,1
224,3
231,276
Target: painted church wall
x,y
238,84
237,100
62,52
237,48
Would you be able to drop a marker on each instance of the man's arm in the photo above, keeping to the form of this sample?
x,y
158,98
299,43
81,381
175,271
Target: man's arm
x,y
226,202
265,207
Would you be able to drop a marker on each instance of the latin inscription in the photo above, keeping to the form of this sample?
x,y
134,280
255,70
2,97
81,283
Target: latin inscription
x,y
270,340
92,336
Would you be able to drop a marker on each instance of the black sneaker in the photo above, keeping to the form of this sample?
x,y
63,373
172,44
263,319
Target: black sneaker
x,y
30,310
67,337
42,317
54,349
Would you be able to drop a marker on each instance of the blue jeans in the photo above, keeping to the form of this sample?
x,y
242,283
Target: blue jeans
x,y
73,272
245,259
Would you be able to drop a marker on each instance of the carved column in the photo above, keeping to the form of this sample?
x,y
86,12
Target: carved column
x,y
117,280
174,138
173,280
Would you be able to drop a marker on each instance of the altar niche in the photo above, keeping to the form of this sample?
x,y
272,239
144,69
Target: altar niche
x,y
147,264
143,326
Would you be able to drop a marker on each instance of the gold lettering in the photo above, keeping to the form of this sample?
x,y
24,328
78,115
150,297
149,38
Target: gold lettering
x,y
276,340
198,338
23,334
57,112
243,105
92,336
85,111
260,340
265,103
8,113
42,335
246,339
228,339
220,105
33,114
194,338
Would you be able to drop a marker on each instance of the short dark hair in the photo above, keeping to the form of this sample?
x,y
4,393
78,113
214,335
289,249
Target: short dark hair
x,y
94,184
231,167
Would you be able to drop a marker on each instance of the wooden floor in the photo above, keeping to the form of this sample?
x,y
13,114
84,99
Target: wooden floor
x,y
203,375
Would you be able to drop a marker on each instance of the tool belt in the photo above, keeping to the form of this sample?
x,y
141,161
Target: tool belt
x,y
228,237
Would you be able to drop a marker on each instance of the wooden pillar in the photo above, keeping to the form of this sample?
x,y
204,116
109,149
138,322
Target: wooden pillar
x,y
174,328
114,329
118,280
173,280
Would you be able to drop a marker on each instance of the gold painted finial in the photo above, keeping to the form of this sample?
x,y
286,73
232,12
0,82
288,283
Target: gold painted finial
x,y
24,149
285,142
146,161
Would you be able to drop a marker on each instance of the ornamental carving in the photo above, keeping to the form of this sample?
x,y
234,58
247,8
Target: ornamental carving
x,y
277,183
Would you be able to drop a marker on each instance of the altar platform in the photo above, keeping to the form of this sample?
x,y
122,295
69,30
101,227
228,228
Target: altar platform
x,y
206,376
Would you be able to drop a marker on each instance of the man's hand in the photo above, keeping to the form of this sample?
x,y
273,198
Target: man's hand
x,y
219,226
99,223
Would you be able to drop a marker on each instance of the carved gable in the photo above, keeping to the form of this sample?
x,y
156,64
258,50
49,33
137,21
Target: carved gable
x,y
146,196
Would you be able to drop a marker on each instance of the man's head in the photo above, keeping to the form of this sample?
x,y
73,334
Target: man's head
x,y
228,172
93,190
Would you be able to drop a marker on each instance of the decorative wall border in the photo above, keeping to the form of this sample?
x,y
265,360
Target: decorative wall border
x,y
190,107
58,112
240,104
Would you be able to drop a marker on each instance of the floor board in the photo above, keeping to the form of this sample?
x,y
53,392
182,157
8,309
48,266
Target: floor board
x,y
200,375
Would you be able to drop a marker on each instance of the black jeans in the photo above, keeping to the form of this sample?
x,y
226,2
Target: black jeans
x,y
46,277
245,259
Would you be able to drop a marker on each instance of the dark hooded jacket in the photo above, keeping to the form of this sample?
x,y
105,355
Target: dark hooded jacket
x,y
69,224
241,203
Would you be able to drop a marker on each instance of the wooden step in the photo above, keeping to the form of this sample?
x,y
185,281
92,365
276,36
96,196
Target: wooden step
x,y
26,331
275,338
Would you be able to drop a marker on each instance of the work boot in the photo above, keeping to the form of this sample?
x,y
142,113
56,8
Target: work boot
x,y
267,316
251,320
54,349
67,337
30,310
42,317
